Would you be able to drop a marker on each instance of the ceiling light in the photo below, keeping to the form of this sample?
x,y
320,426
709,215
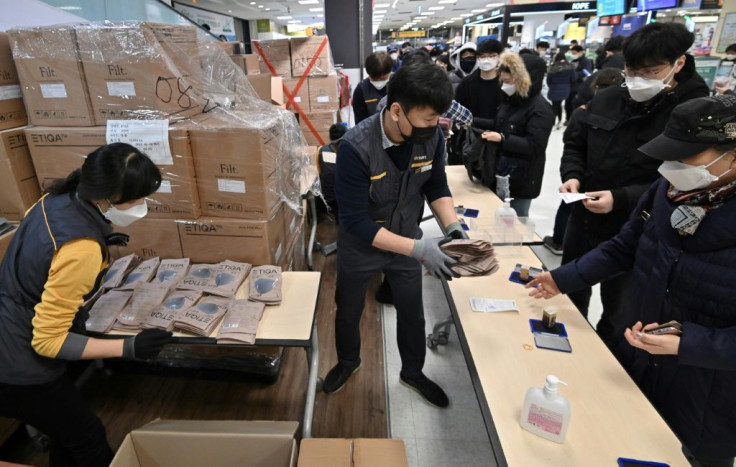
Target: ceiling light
x,y
393,5
445,2
316,9
381,5
268,9
252,3
379,11
436,8
308,2
295,21
229,11
465,15
457,18
494,5
283,17
260,6
478,11
70,8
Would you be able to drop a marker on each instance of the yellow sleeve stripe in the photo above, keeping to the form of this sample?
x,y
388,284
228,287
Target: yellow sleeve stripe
x,y
421,164
378,177
46,219
367,101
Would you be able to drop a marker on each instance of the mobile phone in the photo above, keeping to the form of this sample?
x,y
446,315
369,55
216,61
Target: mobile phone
x,y
471,213
673,327
559,343
624,462
538,327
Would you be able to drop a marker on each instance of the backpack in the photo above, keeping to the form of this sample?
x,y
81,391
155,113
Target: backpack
x,y
480,158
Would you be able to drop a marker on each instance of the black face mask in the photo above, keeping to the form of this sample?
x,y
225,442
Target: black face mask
x,y
467,64
419,135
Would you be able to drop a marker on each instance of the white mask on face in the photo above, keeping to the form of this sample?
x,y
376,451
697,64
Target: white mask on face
x,y
731,57
394,56
125,217
686,177
643,89
509,89
487,64
379,84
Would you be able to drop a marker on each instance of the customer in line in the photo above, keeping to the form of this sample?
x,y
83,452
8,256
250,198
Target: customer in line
x,y
464,62
57,259
372,89
679,245
583,69
522,127
480,91
560,78
601,155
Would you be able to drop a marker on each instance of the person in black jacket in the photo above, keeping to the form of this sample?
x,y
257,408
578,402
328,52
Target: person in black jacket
x,y
613,59
583,69
560,78
522,126
372,89
680,246
601,154
480,92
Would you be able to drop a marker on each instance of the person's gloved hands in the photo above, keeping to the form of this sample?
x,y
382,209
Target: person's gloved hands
x,y
146,344
455,230
427,251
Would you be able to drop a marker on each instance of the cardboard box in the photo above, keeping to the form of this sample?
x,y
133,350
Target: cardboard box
x,y
316,452
150,238
295,258
230,48
267,87
56,152
51,76
248,63
323,93
12,110
280,68
301,97
310,50
210,240
193,443
141,71
276,53
19,188
4,243
321,121
237,166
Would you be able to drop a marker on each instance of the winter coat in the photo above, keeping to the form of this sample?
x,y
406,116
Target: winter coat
x,y
688,279
581,64
466,94
525,120
602,148
613,61
458,74
560,79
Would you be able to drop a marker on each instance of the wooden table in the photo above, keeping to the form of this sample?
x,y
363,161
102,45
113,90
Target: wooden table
x,y
611,418
290,324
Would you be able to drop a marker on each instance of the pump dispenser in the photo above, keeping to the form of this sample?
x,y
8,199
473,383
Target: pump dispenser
x,y
546,413
505,215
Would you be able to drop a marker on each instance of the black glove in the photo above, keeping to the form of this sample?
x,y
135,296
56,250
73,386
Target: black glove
x,y
146,344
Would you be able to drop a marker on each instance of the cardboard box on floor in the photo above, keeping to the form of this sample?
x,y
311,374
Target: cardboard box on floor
x,y
56,152
211,239
305,50
193,443
323,94
230,48
315,452
269,88
141,70
19,188
301,97
237,166
274,54
321,121
150,238
248,63
12,110
51,76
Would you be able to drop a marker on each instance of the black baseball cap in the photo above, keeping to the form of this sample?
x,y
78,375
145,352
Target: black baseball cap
x,y
693,127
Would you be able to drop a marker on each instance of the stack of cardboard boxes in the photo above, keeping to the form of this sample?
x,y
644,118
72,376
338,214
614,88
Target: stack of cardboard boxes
x,y
143,83
311,87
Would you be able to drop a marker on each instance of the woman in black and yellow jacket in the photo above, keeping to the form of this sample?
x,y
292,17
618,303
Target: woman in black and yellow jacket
x,y
56,260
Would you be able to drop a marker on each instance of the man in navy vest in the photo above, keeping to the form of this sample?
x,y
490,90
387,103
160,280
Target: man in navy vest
x,y
386,167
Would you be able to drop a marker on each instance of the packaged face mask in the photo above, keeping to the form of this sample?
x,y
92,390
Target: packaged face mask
x,y
265,284
119,270
175,303
202,318
474,257
141,274
240,325
222,279
146,297
106,309
171,271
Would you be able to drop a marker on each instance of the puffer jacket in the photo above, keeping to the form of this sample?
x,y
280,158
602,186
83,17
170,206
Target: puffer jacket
x,y
692,280
458,74
560,78
525,120
602,149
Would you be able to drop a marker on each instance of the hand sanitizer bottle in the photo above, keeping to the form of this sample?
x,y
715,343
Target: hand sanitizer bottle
x,y
546,413
505,215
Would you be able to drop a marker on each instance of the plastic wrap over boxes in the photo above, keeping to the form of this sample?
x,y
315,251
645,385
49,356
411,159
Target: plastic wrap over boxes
x,y
12,110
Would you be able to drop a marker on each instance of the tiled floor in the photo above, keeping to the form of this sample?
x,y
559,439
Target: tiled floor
x,y
456,435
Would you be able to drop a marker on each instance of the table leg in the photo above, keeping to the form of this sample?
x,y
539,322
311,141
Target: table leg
x,y
312,212
313,367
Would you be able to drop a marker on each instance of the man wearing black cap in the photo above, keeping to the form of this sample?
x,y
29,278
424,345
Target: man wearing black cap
x,y
601,156
679,246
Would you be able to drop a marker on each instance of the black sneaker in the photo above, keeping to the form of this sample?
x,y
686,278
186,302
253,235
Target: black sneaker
x,y
550,244
427,388
337,377
384,294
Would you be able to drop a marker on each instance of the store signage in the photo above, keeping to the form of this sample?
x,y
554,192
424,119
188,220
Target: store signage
x,y
581,6
409,34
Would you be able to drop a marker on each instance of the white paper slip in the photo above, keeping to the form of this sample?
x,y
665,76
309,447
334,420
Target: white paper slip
x,y
492,305
151,137
574,197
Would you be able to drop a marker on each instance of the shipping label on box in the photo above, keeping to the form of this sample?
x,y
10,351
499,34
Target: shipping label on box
x,y
56,152
323,93
150,238
19,188
314,51
141,71
51,76
209,240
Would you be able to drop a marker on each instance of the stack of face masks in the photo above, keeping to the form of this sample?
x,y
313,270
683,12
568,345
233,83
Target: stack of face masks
x,y
171,271
141,274
146,297
177,302
119,269
241,322
265,285
202,318
106,309
474,257
222,279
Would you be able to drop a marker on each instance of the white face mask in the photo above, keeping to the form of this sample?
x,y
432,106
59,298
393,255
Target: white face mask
x,y
509,89
730,57
487,64
686,177
394,56
379,84
643,89
125,217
